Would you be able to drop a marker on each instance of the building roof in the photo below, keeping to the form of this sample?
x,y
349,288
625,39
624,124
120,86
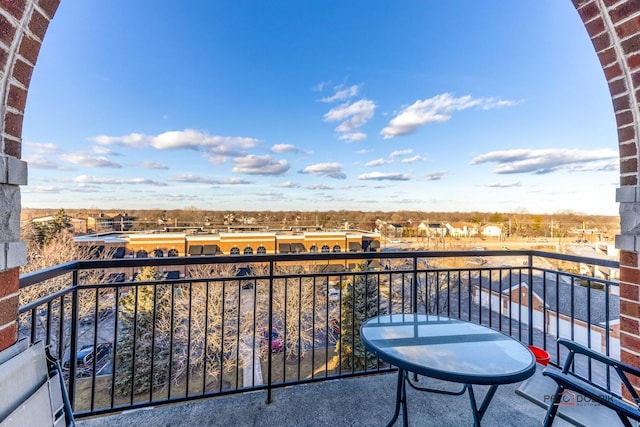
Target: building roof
x,y
565,298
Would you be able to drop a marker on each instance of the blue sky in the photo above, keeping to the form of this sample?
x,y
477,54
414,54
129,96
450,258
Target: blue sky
x,y
319,105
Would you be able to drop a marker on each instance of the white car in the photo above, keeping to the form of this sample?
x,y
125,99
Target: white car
x,y
334,294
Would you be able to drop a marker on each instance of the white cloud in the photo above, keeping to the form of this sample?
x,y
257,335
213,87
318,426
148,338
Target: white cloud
x,y
216,159
333,170
363,151
40,148
287,184
270,195
188,139
44,189
380,176
376,162
153,165
351,117
320,86
190,178
435,110
435,176
398,153
352,137
134,140
88,179
341,93
179,197
414,159
260,165
596,166
89,161
233,181
548,160
287,148
39,161
318,187
104,151
504,185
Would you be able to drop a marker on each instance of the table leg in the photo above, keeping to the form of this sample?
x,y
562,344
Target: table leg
x,y
479,413
401,399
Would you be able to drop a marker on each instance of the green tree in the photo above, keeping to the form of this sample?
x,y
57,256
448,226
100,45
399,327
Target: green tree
x,y
143,342
359,303
44,232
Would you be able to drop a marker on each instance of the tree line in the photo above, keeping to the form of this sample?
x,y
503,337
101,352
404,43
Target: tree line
x,y
520,224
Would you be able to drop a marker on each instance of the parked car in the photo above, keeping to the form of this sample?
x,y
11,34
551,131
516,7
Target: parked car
x,y
477,261
86,355
334,328
277,343
334,294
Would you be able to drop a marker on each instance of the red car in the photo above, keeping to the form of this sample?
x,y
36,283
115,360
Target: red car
x,y
335,327
277,343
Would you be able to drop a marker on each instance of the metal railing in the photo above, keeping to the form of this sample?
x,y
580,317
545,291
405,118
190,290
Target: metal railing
x,y
137,332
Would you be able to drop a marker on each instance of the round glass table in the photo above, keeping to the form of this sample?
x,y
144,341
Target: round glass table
x,y
446,349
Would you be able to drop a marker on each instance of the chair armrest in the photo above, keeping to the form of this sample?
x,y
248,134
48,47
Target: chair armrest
x,y
579,385
581,349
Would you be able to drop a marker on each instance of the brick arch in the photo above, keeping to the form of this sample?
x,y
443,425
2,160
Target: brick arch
x,y
614,29
23,24
612,25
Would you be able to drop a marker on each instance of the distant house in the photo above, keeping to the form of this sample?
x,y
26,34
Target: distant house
x,y
491,231
122,222
565,312
462,229
432,229
104,222
395,229
79,225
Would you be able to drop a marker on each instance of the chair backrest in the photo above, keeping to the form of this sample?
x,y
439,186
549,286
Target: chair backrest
x,y
32,388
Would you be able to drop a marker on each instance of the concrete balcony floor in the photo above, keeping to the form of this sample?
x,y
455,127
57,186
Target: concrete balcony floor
x,y
363,401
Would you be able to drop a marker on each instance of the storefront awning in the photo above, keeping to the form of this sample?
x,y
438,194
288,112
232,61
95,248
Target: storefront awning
x,y
210,250
284,248
298,248
355,247
195,250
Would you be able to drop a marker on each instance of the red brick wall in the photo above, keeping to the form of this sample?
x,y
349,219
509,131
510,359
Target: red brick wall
x,y
23,24
614,28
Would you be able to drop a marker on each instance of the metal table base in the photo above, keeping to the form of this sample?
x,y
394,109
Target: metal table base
x,y
401,398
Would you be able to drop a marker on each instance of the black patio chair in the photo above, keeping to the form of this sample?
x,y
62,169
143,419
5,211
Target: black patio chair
x,y
568,379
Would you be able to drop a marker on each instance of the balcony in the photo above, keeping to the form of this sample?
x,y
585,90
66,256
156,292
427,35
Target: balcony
x,y
141,333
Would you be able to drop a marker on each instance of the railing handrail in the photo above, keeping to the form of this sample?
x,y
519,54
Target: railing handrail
x,y
31,278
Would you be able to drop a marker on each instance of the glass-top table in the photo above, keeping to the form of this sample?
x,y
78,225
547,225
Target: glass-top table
x,y
446,349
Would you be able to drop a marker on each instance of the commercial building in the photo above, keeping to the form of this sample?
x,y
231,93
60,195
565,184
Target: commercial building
x,y
202,243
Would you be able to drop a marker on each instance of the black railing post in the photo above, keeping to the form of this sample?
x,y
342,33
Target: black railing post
x,y
530,296
270,335
414,286
73,350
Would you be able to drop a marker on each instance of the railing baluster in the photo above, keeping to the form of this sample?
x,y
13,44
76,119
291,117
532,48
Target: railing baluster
x,y
74,337
270,320
530,298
